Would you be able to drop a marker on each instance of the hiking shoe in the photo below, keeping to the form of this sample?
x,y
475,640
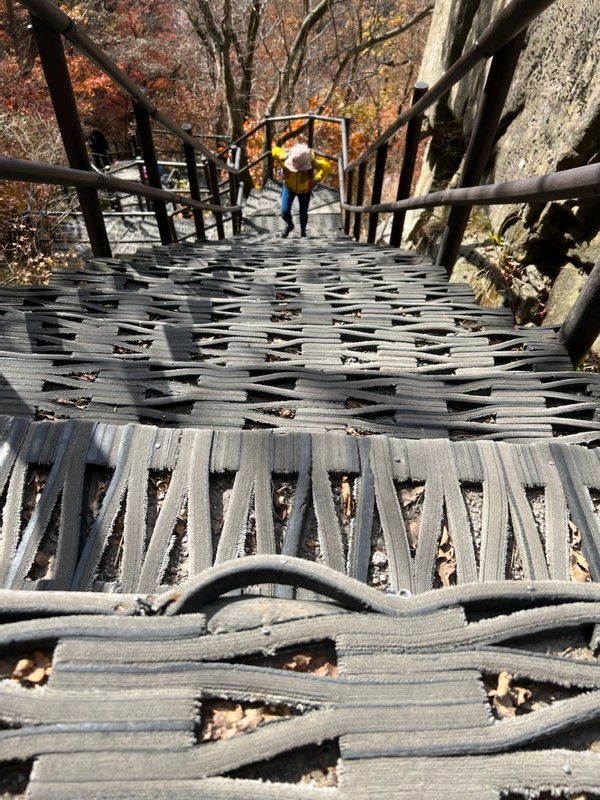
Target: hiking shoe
x,y
287,231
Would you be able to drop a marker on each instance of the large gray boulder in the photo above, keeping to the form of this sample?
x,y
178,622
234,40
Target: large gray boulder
x,y
550,122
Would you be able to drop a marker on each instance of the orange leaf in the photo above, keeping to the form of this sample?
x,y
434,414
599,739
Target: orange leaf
x,y
414,529
347,498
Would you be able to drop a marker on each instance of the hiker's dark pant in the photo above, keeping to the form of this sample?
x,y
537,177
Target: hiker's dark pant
x,y
287,198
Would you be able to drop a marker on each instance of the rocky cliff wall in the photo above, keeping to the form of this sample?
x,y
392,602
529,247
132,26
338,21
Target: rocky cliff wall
x,y
551,121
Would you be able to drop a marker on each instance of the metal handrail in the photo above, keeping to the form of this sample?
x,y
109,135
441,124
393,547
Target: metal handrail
x,y
513,19
62,23
266,125
501,39
565,185
17,169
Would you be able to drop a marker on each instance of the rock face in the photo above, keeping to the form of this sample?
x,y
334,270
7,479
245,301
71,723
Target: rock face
x,y
551,122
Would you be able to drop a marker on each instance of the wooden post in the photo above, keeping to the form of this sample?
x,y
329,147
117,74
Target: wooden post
x,y
360,193
268,145
378,177
216,197
349,190
192,173
582,324
311,131
56,71
411,147
142,119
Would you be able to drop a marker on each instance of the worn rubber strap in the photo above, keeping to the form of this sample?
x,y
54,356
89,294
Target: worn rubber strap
x,y
249,571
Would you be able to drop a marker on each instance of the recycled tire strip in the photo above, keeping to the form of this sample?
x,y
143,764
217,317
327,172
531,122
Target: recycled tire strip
x,y
400,670
70,453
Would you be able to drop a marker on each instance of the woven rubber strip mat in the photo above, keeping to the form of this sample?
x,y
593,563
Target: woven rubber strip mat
x,y
307,337
256,400
187,695
97,507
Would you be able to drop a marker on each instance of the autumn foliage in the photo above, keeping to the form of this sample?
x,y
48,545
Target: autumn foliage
x,y
219,64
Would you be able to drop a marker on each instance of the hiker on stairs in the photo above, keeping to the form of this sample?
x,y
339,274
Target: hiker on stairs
x,y
301,169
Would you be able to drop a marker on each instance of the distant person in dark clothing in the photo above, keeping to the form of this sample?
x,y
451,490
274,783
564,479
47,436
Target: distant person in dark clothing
x,y
99,148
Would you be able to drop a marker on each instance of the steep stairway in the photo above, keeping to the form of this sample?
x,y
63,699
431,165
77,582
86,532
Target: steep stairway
x,y
315,403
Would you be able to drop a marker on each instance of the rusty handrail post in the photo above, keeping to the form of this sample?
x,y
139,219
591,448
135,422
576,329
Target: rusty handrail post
x,y
492,101
234,183
143,202
311,131
268,145
582,324
347,213
216,197
192,173
56,71
360,193
378,177
165,224
411,147
345,133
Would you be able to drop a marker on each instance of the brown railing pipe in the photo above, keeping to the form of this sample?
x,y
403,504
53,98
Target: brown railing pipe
x,y
511,21
582,324
376,190
360,193
268,145
194,183
492,101
56,71
216,197
349,190
311,131
60,22
165,224
570,183
411,147
17,169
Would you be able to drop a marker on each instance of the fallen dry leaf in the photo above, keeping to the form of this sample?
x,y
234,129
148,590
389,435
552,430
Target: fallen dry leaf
x,y
446,559
224,719
506,697
579,567
32,669
446,570
314,663
347,498
412,495
352,431
414,529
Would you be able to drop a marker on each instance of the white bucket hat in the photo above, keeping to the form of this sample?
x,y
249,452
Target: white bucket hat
x,y
299,159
